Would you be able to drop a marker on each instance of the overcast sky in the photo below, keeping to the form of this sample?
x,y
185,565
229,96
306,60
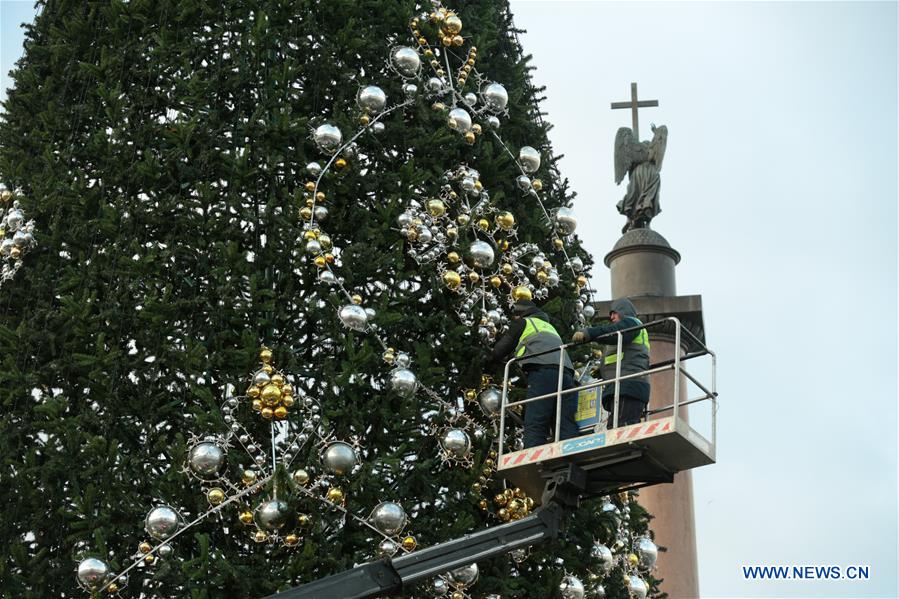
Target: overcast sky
x,y
779,189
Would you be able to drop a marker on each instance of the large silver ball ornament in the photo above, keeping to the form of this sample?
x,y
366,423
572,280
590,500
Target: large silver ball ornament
x,y
15,218
354,317
493,122
22,238
602,554
404,219
434,85
92,573
404,382
481,254
463,577
162,522
327,277
470,99
409,90
320,213
636,587
456,442
272,514
339,458
523,182
460,120
571,587
647,552
206,460
372,98
577,265
589,311
529,159
406,61
490,400
327,137
389,517
495,97
164,550
314,169
377,128
566,221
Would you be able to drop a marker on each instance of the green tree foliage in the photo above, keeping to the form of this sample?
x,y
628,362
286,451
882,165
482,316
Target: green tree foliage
x,y
161,146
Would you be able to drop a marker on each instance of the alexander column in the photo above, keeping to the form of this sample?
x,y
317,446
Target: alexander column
x,y
642,267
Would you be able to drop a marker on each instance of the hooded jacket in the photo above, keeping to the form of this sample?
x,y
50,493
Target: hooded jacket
x,y
635,350
536,341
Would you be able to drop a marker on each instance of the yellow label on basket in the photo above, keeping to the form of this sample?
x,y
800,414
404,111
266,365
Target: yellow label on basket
x,y
586,406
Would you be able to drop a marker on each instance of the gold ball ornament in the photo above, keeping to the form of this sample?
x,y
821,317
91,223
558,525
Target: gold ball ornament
x,y
310,185
320,261
267,413
306,213
304,520
457,595
291,540
320,195
265,354
340,163
144,547
632,559
363,120
542,277
469,138
389,355
287,401
537,184
260,536
257,405
429,53
458,40
268,368
215,496
496,282
278,380
335,495
521,293
507,269
505,220
500,499
271,394
447,40
505,245
329,258
474,277
436,207
280,413
246,517
453,258
438,106
357,299
409,543
325,240
558,244
248,477
463,219
149,559
308,235
581,281
504,515
301,477
451,279
471,394
452,25
476,128
483,224
112,588
482,504
452,232
476,487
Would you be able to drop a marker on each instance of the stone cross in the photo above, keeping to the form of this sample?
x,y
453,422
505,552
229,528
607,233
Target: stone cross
x,y
634,104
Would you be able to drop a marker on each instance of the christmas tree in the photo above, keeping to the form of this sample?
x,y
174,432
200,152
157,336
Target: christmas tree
x,y
255,254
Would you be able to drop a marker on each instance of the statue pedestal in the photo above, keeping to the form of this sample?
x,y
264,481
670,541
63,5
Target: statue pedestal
x,y
642,266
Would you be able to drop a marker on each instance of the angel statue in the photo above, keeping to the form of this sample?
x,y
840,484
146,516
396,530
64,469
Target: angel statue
x,y
642,161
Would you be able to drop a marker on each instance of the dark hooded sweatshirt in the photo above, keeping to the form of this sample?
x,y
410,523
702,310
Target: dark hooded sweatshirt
x,y
636,357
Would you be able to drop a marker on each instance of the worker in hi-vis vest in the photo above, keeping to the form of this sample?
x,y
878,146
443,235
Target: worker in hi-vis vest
x,y
530,333
634,394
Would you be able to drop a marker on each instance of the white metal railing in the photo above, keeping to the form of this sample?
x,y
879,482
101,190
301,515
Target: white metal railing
x,y
709,392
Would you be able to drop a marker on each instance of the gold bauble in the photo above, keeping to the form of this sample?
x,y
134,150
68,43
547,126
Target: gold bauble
x,y
507,269
632,559
291,540
458,40
306,213
257,405
409,543
422,41
248,477
558,243
246,517
469,137
471,394
260,536
460,81
474,277
149,559
500,499
509,494
268,368
482,504
144,547
441,72
436,207
300,477
278,380
267,413
270,395
438,106
452,24
542,277
389,355
340,163
304,520
489,463
457,595
477,182
476,487
503,514
483,224
515,505
506,220
581,281
363,120
287,401
325,240
310,185
452,232
357,299
215,496
280,412
466,69
335,495
320,261
537,184
522,293
463,219
112,588
320,195
453,258
447,40
329,258
504,245
265,354
451,279
453,195
308,235
429,53
309,201
496,282
529,503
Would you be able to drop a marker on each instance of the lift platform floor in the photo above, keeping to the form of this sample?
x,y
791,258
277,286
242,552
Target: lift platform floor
x,y
635,455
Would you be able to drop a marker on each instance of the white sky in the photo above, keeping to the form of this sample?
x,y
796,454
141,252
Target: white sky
x,y
779,189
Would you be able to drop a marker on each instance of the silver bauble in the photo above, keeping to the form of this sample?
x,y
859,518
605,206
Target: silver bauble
x,y
519,555
460,120
404,219
470,99
463,577
320,213
388,547
164,550
589,311
92,573
22,238
272,514
490,400
529,158
566,220
424,235
571,587
537,262
456,442
314,169
495,97
636,587
403,360
493,122
372,98
603,555
481,254
467,184
406,61
339,458
479,434
313,247
577,265
162,522
327,137
599,591
403,382
494,317
647,552
354,317
552,279
377,127
206,460
409,90
524,182
371,313
439,586
389,517
15,218
327,277
5,246
434,85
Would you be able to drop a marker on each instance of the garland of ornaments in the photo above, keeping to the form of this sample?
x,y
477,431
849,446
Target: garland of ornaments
x,y
461,231
16,235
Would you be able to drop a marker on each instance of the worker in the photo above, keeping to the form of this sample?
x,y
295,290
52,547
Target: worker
x,y
633,396
531,333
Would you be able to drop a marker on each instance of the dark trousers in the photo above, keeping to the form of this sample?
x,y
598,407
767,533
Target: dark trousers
x,y
540,416
630,410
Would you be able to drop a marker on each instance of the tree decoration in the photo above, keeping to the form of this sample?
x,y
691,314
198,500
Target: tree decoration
x,y
16,235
